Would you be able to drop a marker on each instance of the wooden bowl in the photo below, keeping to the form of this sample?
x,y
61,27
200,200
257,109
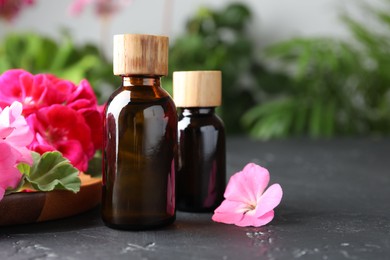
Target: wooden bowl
x,y
31,207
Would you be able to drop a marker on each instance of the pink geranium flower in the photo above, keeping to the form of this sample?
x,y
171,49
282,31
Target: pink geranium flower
x,y
9,9
63,116
247,203
103,8
42,90
15,135
83,100
60,128
22,86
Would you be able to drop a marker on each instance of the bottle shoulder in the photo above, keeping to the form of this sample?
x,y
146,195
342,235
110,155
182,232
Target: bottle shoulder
x,y
126,101
199,121
140,94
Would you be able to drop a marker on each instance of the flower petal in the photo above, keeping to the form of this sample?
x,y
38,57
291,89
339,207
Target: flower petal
x,y
231,206
24,155
2,191
77,6
269,200
21,135
9,174
227,218
94,120
252,220
73,151
248,185
16,109
229,212
5,131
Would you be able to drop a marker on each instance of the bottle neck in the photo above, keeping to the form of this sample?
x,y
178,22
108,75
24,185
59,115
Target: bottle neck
x,y
141,80
193,111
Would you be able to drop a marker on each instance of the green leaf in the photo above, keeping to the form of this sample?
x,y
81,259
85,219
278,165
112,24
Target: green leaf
x,y
39,54
316,119
300,119
329,119
63,53
303,64
51,171
272,119
24,168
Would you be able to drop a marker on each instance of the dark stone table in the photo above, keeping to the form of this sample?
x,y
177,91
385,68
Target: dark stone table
x,y
335,206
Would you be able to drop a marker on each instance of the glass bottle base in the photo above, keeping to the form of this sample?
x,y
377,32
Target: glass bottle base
x,y
194,209
122,225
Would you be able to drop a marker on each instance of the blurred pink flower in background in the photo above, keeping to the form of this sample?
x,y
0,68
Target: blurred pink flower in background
x,y
15,135
247,203
103,8
9,9
63,116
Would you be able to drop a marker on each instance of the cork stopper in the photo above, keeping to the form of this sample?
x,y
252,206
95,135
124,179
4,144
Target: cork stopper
x,y
197,88
140,54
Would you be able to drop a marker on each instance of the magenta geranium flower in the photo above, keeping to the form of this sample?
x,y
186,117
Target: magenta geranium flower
x,y
103,8
247,202
9,9
22,86
15,135
63,116
41,90
60,128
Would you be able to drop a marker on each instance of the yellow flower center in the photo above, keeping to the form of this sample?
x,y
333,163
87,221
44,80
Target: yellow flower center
x,y
250,208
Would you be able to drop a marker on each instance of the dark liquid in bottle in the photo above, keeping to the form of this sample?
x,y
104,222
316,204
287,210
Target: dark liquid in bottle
x,y
201,174
139,157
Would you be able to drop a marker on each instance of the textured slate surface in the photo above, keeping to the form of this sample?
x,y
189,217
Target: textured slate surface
x,y
336,205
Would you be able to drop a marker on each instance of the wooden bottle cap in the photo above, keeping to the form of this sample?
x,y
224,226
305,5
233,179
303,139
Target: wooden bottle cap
x,y
140,54
197,88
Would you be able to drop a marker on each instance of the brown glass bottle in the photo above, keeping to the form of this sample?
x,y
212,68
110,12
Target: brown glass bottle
x,y
201,176
139,151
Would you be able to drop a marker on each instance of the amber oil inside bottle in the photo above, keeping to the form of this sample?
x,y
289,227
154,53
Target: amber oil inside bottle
x,y
201,174
140,143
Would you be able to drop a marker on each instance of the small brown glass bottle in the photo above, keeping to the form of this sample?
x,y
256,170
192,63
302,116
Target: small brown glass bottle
x,y
140,138
201,176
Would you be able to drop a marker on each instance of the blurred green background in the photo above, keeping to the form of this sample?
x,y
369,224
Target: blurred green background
x,y
319,87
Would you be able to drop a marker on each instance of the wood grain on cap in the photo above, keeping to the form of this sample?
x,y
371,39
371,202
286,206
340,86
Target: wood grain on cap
x,y
140,54
197,88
